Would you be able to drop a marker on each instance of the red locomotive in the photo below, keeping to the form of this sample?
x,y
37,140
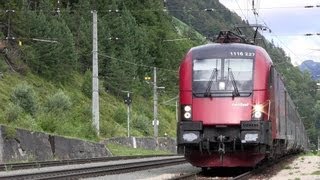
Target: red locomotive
x,y
234,108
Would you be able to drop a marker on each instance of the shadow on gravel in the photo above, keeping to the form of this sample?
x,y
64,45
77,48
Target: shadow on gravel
x,y
274,168
223,172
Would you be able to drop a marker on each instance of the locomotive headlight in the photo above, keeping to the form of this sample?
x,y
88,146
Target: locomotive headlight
x,y
257,111
258,107
257,114
186,112
187,115
187,108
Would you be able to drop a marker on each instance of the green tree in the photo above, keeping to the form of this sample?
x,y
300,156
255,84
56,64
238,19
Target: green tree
x,y
53,50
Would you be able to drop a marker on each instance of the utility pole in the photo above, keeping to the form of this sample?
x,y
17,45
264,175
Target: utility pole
x,y
128,101
318,144
155,103
177,116
9,11
95,79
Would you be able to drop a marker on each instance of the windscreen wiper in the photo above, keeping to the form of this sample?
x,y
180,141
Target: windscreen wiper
x,y
234,84
214,73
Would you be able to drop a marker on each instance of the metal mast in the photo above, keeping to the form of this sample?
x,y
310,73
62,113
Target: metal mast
x,y
155,104
95,79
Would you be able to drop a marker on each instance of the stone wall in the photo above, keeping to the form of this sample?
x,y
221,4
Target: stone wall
x,y
18,145
164,143
22,145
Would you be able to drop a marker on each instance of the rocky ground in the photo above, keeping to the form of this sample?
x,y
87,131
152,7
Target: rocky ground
x,y
163,173
295,168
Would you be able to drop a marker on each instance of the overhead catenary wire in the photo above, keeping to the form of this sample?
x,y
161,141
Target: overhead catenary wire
x,y
279,40
246,18
136,64
60,10
119,10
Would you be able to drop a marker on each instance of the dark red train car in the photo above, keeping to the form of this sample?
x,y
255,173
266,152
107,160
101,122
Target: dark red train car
x,y
234,108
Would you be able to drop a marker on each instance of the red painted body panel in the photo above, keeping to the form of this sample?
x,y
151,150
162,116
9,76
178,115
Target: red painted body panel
x,y
243,159
261,72
186,82
185,97
185,71
222,111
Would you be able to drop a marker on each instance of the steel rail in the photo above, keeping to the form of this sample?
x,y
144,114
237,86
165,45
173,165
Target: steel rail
x,y
97,170
39,164
245,175
189,176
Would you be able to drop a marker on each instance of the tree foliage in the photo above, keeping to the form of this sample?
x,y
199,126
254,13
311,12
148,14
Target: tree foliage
x,y
133,37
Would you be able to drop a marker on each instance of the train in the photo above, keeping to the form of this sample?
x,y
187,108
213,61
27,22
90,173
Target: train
x,y
235,110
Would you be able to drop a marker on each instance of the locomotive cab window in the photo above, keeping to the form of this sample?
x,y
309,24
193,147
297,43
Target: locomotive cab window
x,y
222,77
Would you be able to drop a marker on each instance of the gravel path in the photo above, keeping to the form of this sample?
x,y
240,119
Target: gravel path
x,y
153,174
295,168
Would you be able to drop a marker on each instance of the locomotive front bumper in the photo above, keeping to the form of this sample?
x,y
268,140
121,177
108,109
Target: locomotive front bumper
x,y
249,132
189,132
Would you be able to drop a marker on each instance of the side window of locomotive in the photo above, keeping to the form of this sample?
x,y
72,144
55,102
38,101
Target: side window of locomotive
x,y
271,77
203,70
242,70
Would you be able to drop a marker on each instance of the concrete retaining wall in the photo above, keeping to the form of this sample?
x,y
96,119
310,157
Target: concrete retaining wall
x,y
164,143
18,145
22,145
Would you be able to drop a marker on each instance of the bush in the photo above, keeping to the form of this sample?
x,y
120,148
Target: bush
x,y
3,66
120,115
87,131
86,86
143,124
49,122
59,102
10,132
13,112
24,96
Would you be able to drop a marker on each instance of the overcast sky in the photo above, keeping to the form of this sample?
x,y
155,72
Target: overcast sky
x,y
289,21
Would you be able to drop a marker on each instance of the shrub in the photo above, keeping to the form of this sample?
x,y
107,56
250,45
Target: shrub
x,y
10,132
87,131
24,96
86,86
143,124
13,112
120,115
48,122
59,102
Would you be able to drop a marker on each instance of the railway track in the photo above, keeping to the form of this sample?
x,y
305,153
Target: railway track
x,y
93,171
40,164
194,176
225,173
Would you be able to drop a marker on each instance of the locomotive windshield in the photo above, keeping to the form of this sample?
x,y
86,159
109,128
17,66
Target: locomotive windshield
x,y
222,77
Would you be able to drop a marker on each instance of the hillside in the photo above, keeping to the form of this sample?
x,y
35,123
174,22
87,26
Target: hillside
x,y
46,65
312,67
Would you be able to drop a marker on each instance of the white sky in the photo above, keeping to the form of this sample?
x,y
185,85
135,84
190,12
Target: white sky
x,y
289,20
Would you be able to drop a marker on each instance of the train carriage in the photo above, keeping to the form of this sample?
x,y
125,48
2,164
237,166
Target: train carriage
x,y
234,108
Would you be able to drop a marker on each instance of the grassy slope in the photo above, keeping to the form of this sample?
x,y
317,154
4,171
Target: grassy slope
x,y
77,121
